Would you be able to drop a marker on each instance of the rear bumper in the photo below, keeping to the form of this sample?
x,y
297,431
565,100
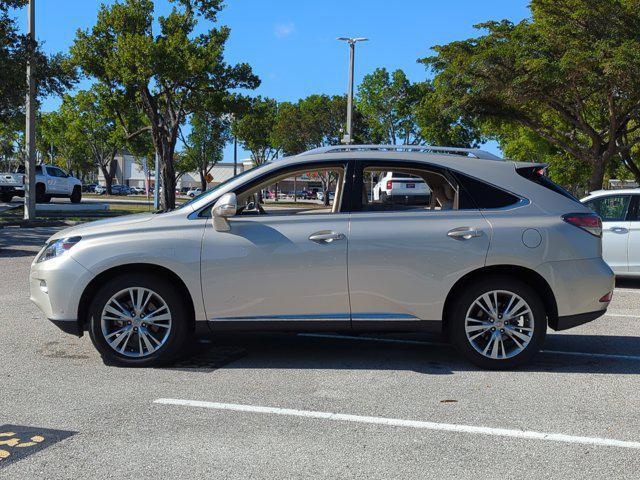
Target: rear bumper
x,y
570,321
578,286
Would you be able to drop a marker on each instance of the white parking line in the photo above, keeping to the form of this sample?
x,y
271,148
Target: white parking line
x,y
397,422
621,315
607,356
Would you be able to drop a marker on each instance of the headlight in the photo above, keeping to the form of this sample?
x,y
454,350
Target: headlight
x,y
56,248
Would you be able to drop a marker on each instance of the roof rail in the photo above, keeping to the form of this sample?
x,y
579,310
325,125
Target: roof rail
x,y
466,152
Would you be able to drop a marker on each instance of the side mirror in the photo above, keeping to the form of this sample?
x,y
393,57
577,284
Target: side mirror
x,y
225,207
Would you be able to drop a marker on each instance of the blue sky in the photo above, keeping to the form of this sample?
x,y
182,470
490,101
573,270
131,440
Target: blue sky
x,y
291,44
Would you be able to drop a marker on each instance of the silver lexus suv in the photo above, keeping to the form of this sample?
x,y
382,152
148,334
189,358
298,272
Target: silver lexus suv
x,y
494,255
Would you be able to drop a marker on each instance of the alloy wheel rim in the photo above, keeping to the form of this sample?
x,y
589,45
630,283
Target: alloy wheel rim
x,y
499,324
136,322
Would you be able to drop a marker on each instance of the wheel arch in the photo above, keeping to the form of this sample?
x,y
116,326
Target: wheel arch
x,y
150,268
530,277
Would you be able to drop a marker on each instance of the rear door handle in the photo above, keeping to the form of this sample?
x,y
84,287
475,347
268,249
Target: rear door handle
x,y
464,233
326,236
619,230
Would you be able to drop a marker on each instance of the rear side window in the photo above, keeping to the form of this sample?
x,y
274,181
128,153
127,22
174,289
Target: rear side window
x,y
478,194
536,175
612,208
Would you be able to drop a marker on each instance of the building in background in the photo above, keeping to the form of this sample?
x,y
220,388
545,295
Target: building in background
x,y
130,173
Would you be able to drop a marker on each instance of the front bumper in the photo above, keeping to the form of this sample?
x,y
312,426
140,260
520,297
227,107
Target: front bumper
x,y
71,327
56,286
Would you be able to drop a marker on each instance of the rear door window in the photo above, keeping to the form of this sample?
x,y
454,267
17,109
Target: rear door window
x,y
478,194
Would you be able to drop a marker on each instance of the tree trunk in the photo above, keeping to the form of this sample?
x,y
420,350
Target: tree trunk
x,y
168,200
203,180
108,177
597,175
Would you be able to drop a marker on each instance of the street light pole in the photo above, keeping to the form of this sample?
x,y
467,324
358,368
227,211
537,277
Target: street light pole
x,y
348,137
235,156
30,130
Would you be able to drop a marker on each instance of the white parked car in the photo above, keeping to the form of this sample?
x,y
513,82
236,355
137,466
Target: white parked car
x,y
511,255
398,187
619,211
194,192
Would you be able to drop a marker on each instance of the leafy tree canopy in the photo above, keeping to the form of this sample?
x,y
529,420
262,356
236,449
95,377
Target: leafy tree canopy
x,y
172,72
52,72
571,74
387,101
253,127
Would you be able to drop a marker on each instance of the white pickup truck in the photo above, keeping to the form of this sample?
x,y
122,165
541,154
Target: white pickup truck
x,y
11,184
51,181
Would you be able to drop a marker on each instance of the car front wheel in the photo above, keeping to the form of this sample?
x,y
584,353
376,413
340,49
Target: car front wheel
x,y
498,323
138,320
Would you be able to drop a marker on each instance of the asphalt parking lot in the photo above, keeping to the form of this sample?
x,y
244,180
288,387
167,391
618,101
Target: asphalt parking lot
x,y
292,406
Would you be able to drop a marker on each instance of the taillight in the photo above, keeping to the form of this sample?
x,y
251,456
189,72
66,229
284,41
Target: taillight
x,y
606,298
587,221
389,184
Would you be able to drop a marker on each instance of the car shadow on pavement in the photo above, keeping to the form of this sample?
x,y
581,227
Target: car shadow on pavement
x,y
25,237
290,351
628,282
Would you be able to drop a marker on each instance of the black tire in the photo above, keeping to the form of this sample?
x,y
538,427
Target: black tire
x,y
76,196
457,322
179,333
47,199
41,193
6,197
384,198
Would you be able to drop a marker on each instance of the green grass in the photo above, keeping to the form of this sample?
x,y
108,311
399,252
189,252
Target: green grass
x,y
10,217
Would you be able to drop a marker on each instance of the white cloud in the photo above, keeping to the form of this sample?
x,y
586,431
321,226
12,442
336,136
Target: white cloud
x,y
284,29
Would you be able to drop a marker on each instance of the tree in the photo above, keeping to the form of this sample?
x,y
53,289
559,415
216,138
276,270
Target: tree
x,y
315,121
59,137
387,102
172,73
440,123
53,75
87,119
205,144
571,74
10,143
253,127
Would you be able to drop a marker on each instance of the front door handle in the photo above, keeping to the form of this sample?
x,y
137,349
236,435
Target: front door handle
x,y
464,233
326,236
619,230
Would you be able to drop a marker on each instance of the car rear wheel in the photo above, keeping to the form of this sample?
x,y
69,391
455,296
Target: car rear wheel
x,y
76,196
139,321
498,323
6,197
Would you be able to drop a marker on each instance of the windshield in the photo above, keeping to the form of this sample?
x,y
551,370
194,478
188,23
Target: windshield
x,y
217,187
